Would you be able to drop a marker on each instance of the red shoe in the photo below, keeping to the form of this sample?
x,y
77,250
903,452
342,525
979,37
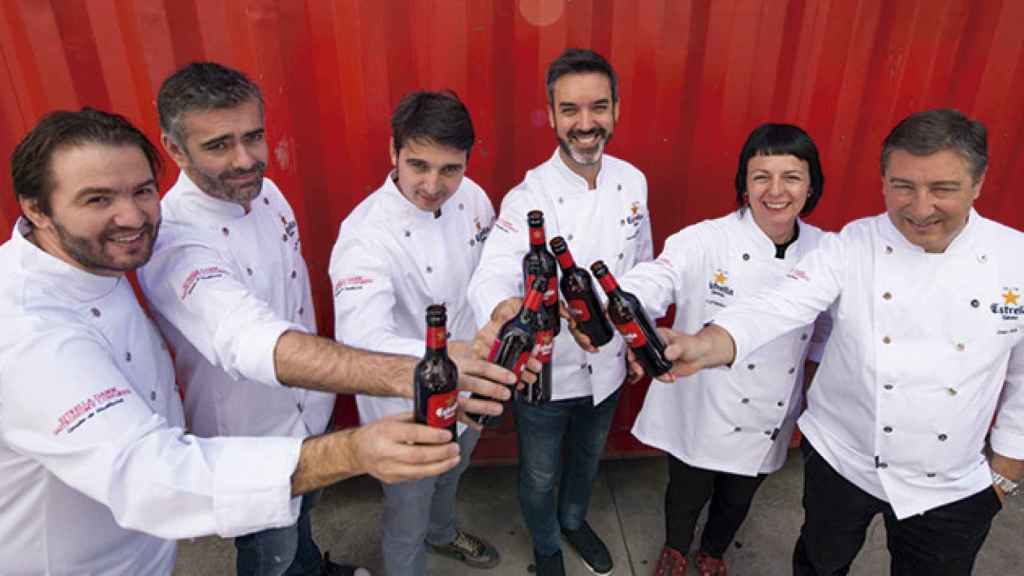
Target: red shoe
x,y
710,566
671,562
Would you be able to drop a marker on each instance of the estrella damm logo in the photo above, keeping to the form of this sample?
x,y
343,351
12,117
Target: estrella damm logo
x,y
481,231
635,216
718,283
1009,307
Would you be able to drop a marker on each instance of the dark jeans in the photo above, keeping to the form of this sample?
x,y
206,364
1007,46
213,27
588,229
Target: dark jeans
x,y
288,551
542,430
689,489
941,542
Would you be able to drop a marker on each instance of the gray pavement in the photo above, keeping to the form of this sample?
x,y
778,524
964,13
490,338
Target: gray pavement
x,y
626,510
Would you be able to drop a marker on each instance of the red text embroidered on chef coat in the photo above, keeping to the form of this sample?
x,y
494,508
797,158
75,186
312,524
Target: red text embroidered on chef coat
x,y
351,283
78,414
506,226
198,275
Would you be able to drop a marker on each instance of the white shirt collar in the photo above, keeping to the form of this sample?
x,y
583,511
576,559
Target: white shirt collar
x,y
963,241
206,206
78,284
577,182
401,206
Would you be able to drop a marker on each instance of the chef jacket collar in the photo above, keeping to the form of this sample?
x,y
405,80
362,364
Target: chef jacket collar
x,y
79,285
763,242
576,182
401,206
206,207
962,243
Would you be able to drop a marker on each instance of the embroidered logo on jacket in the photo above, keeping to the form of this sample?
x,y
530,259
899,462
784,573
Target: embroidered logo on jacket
x,y
196,276
481,231
1011,307
798,274
81,412
351,283
718,282
635,216
506,226
291,230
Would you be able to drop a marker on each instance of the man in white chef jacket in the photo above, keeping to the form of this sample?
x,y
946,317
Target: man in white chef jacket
x,y
414,242
231,293
598,203
98,475
924,361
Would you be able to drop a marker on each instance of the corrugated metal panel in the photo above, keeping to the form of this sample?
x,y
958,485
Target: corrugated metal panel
x,y
696,77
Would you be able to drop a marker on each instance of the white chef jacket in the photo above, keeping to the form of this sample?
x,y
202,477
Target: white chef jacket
x,y
391,261
97,476
609,223
224,285
737,421
923,350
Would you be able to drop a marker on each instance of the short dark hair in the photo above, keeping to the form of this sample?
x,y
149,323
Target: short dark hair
x,y
438,117
201,86
580,61
781,140
32,159
931,131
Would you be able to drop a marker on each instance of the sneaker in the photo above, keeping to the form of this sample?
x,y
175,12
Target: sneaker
x,y
590,549
550,565
472,550
708,565
671,562
328,568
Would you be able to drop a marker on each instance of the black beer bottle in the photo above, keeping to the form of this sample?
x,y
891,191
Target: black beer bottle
x,y
436,376
632,322
539,262
540,391
578,291
515,342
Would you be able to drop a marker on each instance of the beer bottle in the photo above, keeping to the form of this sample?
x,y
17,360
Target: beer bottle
x,y
515,342
539,262
436,376
578,290
540,391
632,322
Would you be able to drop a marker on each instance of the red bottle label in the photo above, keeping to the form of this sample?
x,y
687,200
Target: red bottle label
x,y
442,408
633,334
494,350
537,235
551,294
437,337
579,310
545,346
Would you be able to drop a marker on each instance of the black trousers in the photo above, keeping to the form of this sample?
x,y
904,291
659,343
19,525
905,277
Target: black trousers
x,y
689,489
941,542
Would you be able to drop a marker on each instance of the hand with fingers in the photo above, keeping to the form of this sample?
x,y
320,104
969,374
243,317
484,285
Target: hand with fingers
x,y
690,353
395,449
490,384
634,371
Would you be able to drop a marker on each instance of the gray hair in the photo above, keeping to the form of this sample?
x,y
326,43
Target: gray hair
x,y
931,131
201,86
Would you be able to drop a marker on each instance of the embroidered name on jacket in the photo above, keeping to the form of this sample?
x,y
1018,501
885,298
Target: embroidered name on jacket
x,y
197,276
351,283
81,412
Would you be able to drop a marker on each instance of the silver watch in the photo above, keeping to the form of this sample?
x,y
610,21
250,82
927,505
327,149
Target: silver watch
x,y
1005,484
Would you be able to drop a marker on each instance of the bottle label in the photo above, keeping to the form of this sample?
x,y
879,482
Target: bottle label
x,y
551,294
437,337
632,333
442,408
579,310
545,346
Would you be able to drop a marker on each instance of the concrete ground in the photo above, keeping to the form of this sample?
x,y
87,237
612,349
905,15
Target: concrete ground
x,y
626,510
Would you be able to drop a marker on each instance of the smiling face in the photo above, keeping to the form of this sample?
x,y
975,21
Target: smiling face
x,y
929,198
583,115
427,173
777,189
224,151
104,209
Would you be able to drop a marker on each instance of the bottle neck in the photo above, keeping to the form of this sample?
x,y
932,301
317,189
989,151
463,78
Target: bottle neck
x,y
537,237
565,260
608,283
437,338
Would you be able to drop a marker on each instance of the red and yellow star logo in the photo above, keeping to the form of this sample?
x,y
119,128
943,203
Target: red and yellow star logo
x,y
634,208
1011,297
720,277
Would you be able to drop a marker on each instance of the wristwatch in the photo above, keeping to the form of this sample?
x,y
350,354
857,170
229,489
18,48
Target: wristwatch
x,y
1005,484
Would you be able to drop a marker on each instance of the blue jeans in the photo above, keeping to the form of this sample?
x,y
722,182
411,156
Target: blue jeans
x,y
288,551
542,430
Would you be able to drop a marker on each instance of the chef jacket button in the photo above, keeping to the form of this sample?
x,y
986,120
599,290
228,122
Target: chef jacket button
x,y
930,474
407,233
960,346
887,429
620,255
982,258
266,201
622,222
152,396
620,187
975,303
887,295
888,249
746,256
951,391
886,340
943,437
583,366
294,274
95,312
737,429
887,386
284,237
248,271
750,366
767,432
299,406
745,400
461,206
780,404
127,356
803,336
569,237
560,201
883,465
472,242
429,269
225,231
301,310
590,369
791,370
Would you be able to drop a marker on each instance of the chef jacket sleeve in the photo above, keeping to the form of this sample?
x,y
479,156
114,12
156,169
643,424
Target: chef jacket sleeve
x,y
196,289
365,298
1007,436
645,248
85,423
498,276
797,300
655,282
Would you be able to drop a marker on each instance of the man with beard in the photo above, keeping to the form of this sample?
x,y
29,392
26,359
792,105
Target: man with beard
x,y
98,475
598,204
231,293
